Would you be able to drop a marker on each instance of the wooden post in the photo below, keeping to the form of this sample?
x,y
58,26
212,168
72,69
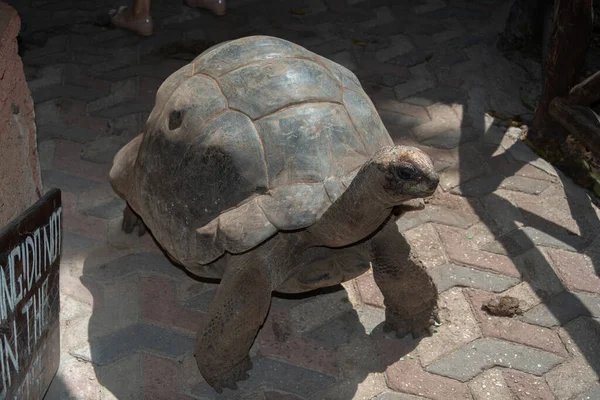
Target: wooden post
x,y
571,35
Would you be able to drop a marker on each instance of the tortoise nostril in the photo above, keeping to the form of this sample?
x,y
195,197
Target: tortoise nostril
x,y
175,119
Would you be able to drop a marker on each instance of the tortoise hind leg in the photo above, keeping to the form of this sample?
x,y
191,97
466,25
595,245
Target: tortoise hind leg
x,y
235,315
410,296
131,221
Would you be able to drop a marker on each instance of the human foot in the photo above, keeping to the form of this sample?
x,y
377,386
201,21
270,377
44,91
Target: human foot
x,y
216,6
124,18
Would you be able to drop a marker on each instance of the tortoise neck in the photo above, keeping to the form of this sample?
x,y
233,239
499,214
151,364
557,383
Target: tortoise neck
x,y
358,212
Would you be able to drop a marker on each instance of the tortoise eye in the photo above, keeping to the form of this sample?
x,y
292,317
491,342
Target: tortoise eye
x,y
407,172
175,119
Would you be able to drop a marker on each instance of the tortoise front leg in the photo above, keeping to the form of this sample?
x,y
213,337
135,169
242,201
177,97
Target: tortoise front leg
x,y
235,315
410,296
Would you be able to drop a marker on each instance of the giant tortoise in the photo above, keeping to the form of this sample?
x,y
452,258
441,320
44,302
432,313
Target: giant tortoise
x,y
267,166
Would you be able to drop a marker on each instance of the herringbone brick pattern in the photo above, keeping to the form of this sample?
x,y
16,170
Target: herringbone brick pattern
x,y
503,220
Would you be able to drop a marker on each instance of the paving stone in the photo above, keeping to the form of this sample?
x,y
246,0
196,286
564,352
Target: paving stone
x,y
159,306
107,210
398,125
103,149
134,338
120,92
582,339
460,250
537,270
393,105
383,16
354,387
202,301
368,289
479,186
399,45
504,215
482,354
124,109
70,91
445,36
276,340
422,80
525,185
529,171
160,377
562,308
75,380
493,134
445,123
520,152
576,270
592,393
397,396
438,99
122,379
72,244
459,214
489,385
458,327
408,377
527,387
525,294
429,6
513,330
371,318
344,58
275,375
66,182
135,263
372,70
425,242
412,87
73,134
523,239
337,331
67,159
321,308
46,76
46,153
472,164
450,275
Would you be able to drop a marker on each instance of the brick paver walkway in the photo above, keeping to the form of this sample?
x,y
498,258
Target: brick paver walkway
x,y
503,221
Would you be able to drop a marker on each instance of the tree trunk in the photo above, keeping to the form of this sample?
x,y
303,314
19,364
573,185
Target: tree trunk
x,y
524,25
571,35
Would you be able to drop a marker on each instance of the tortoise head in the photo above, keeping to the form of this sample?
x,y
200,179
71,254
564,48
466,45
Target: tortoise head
x,y
406,173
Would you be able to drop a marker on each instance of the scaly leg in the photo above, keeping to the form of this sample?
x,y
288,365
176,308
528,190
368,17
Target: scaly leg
x,y
235,315
410,296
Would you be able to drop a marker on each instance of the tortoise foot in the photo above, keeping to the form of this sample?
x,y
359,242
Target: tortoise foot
x,y
131,221
229,378
418,326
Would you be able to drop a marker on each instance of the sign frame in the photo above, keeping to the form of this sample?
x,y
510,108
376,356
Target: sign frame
x,y
30,250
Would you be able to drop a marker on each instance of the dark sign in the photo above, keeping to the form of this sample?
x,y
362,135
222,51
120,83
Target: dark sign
x,y
30,249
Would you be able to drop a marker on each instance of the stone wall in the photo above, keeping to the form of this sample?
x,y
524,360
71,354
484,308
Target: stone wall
x,y
20,178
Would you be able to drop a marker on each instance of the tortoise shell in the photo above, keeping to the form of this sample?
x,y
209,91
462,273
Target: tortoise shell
x,y
255,136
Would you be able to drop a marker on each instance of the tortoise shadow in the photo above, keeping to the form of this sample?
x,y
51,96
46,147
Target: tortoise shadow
x,y
316,345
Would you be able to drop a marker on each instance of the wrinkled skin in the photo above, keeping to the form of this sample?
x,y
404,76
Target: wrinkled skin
x,y
355,230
